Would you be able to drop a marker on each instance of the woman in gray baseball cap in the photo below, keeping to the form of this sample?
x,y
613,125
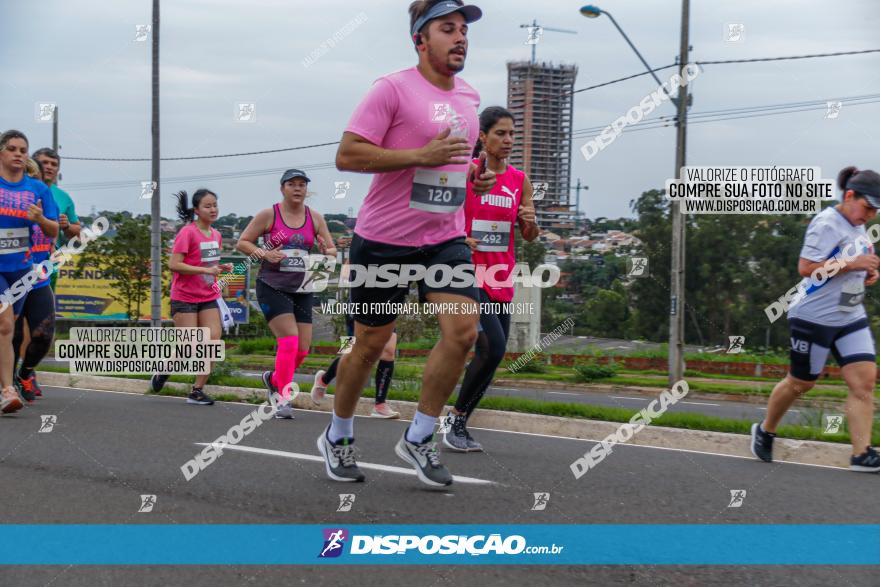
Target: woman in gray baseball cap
x,y
290,231
826,316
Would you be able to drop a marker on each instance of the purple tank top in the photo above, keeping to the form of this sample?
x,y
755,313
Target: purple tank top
x,y
295,243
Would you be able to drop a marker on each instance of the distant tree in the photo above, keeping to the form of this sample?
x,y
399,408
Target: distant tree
x,y
586,277
336,226
650,294
126,258
603,224
607,312
534,253
230,220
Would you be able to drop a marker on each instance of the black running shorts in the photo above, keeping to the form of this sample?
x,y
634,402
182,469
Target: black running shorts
x,y
452,253
178,306
274,303
810,344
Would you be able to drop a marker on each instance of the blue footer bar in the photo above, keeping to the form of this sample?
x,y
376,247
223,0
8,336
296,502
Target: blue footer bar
x,y
524,544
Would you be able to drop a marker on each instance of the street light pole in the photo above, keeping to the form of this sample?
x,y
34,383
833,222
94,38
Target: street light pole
x,y
591,11
677,274
155,207
676,277
642,59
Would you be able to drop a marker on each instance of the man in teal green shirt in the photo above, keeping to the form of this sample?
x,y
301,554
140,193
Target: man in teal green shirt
x,y
68,221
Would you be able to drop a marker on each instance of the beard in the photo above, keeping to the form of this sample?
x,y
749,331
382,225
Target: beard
x,y
454,67
443,64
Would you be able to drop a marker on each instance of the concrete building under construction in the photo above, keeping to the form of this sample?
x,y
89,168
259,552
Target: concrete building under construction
x,y
539,95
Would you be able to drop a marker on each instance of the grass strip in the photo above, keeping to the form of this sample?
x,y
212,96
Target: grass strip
x,y
685,420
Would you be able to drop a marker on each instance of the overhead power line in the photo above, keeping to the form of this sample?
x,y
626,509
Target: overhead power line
x,y
789,57
204,156
744,112
655,123
586,89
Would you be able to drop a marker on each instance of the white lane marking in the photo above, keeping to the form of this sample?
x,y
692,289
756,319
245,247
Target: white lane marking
x,y
701,404
638,399
140,393
240,404
554,436
699,452
562,393
317,459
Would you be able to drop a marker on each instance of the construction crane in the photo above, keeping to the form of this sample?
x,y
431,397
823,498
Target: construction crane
x,y
535,32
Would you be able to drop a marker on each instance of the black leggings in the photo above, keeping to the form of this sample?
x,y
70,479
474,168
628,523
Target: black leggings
x,y
489,352
39,311
384,373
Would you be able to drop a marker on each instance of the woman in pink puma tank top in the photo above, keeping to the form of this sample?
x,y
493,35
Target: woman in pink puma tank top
x,y
290,230
490,222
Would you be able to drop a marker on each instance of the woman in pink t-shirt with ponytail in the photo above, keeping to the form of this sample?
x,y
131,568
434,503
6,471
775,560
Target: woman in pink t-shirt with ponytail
x,y
195,265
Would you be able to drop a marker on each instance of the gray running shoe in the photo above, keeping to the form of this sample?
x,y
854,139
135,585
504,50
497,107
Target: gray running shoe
x,y
456,435
473,445
339,461
271,390
284,411
425,460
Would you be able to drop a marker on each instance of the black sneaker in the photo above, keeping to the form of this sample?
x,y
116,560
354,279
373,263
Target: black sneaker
x,y
339,461
157,382
425,459
867,462
762,443
199,397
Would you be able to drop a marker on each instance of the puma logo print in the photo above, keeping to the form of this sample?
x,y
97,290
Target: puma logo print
x,y
507,191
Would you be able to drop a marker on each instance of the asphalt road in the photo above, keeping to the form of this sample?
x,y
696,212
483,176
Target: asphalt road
x,y
107,449
719,408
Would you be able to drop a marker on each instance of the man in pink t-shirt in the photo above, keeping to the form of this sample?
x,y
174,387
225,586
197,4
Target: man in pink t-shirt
x,y
414,130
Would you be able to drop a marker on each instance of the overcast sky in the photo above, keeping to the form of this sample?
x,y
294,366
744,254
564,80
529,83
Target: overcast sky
x,y
218,53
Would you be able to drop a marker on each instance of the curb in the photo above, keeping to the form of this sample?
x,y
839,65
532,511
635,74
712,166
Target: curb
x,y
757,399
652,392
807,452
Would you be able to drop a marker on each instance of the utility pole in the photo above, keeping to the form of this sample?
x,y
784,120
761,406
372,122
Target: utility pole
x,y
55,137
677,273
676,277
55,128
155,207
